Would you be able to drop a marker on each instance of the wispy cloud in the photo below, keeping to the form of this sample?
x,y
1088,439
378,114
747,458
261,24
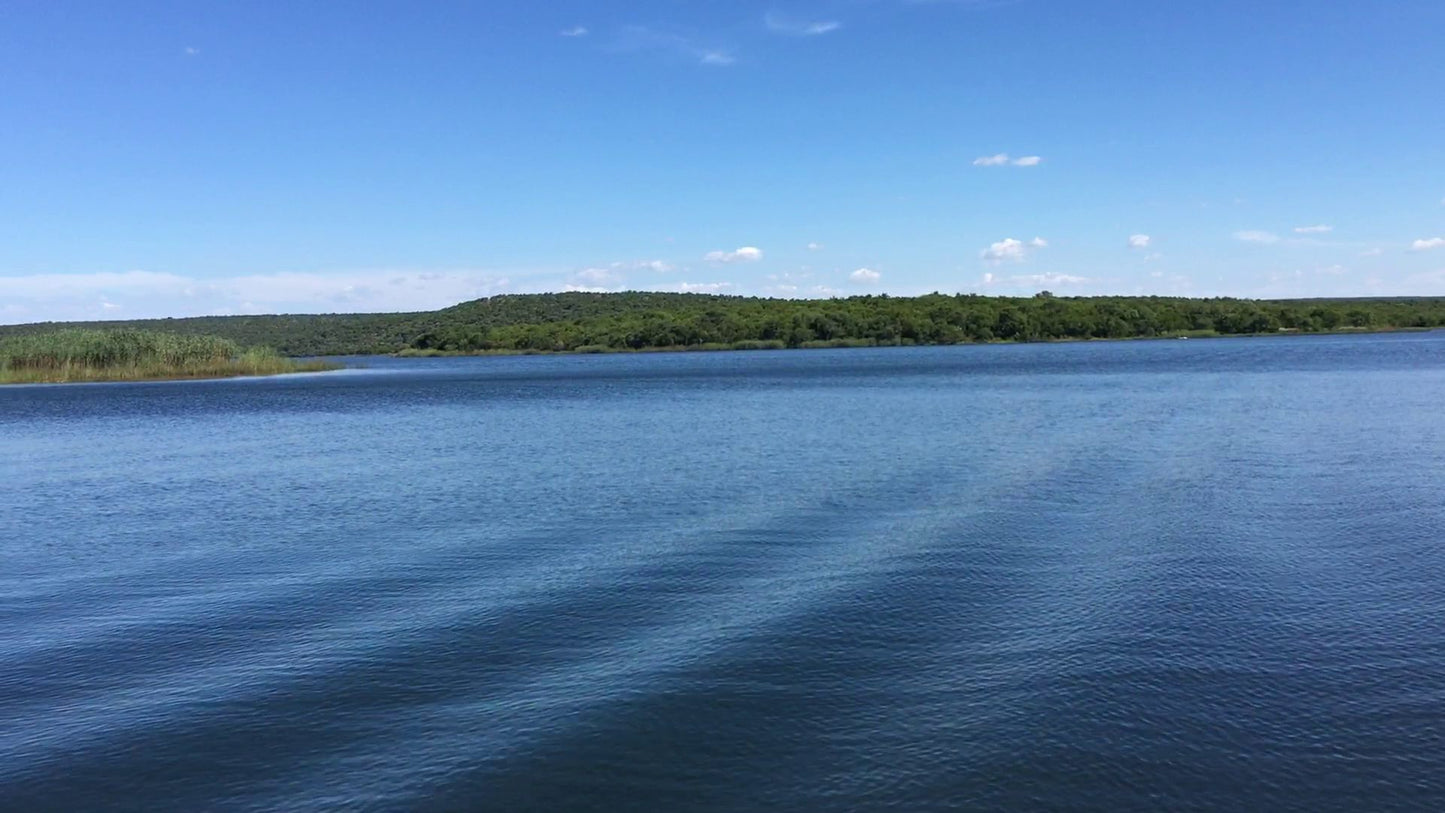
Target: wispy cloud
x,y
150,294
1140,241
612,275
1002,160
1051,279
191,50
702,287
1255,236
1427,244
746,254
637,38
815,246
794,27
1320,229
1033,280
1012,251
596,277
574,31
865,276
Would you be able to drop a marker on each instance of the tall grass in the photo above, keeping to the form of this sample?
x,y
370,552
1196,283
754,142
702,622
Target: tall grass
x,y
119,355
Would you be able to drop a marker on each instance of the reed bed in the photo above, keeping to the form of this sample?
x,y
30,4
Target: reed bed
x,y
132,355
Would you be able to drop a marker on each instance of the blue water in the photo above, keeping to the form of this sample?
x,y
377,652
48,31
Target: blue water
x,y
1109,576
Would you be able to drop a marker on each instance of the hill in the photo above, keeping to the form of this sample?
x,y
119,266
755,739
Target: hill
x,y
640,320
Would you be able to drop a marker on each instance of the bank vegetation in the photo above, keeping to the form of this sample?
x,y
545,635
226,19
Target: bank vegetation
x,y
135,355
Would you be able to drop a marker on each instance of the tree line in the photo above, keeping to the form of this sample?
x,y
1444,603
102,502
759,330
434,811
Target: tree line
x,y
720,322
576,321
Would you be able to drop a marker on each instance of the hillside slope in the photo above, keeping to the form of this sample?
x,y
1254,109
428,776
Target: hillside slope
x,y
641,320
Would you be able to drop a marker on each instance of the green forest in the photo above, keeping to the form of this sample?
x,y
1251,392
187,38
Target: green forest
x,y
597,322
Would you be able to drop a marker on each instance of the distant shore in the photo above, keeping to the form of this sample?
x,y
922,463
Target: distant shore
x,y
716,347
641,321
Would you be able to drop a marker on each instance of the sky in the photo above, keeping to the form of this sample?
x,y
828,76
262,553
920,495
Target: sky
x,y
192,158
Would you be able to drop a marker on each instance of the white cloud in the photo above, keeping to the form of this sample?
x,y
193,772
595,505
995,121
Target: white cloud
x,y
192,50
1006,249
1011,250
1261,237
815,246
574,31
659,266
1002,159
1140,241
702,287
613,274
1426,245
1051,279
149,294
120,282
1320,229
865,276
779,24
746,254
1033,280
719,58
1373,252
596,276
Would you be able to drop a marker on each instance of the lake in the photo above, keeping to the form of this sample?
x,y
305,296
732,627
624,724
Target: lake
x,y
1110,576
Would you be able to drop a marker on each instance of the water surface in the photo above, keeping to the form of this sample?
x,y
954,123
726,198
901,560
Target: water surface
x,y
1106,576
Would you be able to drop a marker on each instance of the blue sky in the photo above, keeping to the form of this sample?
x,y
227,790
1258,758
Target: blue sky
x,y
185,158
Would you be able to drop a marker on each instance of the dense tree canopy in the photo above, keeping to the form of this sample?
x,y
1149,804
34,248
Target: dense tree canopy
x,y
641,321
636,320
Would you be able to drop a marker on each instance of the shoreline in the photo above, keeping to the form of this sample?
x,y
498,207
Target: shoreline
x,y
103,376
315,365
848,344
